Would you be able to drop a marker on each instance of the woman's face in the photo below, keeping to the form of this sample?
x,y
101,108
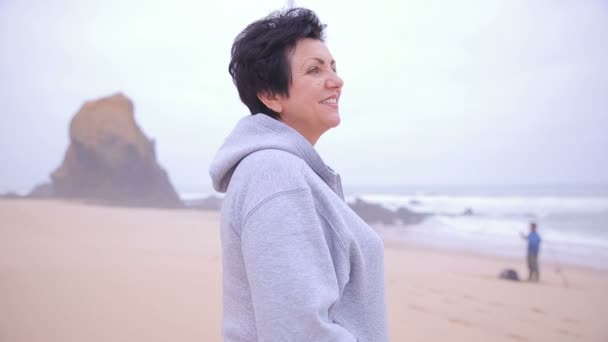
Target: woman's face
x,y
314,92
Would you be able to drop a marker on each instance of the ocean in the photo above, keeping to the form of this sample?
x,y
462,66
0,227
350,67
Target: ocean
x,y
572,220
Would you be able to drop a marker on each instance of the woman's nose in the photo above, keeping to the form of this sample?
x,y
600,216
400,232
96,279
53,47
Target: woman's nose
x,y
334,81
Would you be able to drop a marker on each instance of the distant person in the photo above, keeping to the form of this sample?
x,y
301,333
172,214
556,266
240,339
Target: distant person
x,y
298,263
533,248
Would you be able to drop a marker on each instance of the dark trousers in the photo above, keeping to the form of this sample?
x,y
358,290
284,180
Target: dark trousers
x,y
533,267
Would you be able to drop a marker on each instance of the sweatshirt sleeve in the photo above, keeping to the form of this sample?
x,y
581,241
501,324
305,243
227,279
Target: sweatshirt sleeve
x,y
290,271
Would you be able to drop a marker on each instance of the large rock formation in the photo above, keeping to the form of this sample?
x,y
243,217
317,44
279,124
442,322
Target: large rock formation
x,y
111,160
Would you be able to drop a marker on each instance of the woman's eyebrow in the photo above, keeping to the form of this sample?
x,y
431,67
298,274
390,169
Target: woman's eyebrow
x,y
321,61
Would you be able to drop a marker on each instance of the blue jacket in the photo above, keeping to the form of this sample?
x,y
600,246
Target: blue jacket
x,y
533,243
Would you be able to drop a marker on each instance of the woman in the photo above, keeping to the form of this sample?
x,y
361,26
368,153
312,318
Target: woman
x,y
298,263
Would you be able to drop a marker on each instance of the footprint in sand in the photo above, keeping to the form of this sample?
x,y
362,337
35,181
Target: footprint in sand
x,y
459,321
516,337
433,290
416,307
471,298
569,333
537,310
570,320
493,303
415,293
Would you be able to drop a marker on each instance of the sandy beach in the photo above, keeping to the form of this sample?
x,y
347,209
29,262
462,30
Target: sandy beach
x,y
76,272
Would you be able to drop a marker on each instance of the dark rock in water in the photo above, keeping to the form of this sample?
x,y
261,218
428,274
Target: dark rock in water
x,y
209,203
468,212
373,213
407,216
44,190
415,202
10,195
110,160
376,213
509,274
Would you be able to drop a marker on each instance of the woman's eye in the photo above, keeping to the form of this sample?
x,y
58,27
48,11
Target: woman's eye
x,y
313,70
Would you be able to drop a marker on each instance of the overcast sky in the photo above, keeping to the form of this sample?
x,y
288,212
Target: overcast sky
x,y
436,92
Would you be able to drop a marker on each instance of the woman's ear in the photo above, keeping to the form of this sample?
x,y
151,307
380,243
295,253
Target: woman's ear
x,y
271,101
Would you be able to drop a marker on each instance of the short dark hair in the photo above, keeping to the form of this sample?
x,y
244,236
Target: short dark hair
x,y
260,60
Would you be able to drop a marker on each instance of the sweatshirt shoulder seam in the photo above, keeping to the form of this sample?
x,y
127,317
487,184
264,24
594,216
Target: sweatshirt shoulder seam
x,y
268,199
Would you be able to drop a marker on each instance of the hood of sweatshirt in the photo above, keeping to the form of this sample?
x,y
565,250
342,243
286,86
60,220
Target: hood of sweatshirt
x,y
260,132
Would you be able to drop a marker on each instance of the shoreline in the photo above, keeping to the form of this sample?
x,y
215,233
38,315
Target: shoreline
x,y
401,244
390,241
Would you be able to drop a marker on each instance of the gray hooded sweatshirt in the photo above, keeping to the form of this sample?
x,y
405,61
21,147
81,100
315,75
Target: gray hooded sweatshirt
x,y
298,263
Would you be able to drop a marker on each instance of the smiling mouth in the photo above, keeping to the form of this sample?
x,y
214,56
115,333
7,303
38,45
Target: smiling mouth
x,y
331,100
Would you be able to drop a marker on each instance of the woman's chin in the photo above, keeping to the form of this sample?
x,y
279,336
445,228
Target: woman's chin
x,y
333,120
